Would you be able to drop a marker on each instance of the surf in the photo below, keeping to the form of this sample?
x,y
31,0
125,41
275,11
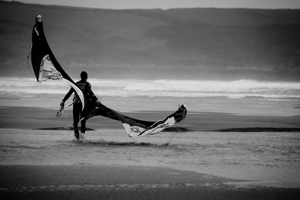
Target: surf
x,y
160,88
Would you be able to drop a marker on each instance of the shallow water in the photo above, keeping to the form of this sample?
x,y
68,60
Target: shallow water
x,y
267,158
246,97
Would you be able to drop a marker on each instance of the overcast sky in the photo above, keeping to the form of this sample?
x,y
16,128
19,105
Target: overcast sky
x,y
165,4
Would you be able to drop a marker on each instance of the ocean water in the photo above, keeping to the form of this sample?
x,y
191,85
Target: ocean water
x,y
159,88
248,97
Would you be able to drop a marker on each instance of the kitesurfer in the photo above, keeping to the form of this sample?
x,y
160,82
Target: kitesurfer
x,y
77,105
38,18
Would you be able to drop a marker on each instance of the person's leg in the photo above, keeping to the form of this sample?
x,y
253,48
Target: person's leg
x,y
83,126
76,114
82,129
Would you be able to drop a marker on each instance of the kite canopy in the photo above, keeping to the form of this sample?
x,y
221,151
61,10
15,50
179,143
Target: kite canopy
x,y
44,63
45,67
136,127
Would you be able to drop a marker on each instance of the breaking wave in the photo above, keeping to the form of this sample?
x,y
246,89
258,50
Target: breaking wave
x,y
159,88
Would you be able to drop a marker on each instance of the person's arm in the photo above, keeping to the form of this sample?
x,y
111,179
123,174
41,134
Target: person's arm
x,y
93,96
90,92
62,104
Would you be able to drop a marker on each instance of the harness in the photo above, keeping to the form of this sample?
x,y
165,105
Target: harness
x,y
82,86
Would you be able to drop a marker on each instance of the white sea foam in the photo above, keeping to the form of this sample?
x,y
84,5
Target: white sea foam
x,y
159,88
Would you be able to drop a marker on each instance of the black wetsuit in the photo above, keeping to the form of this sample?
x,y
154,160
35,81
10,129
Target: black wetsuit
x,y
77,105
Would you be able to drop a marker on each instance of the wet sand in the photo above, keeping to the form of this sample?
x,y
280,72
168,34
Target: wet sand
x,y
202,163
97,182
36,118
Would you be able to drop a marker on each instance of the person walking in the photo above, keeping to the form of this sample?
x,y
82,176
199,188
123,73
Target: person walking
x,y
86,87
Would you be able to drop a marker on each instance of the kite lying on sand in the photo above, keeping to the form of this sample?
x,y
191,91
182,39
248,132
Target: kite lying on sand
x,y
45,66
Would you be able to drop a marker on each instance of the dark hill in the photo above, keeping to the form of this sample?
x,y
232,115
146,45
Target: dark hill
x,y
177,43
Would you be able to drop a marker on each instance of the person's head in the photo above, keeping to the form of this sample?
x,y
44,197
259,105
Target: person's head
x,y
83,75
38,18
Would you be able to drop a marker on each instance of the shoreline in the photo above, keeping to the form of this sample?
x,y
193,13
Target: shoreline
x,y
183,129
45,118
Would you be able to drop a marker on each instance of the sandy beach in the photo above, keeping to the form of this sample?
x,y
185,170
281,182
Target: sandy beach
x,y
40,159
233,66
